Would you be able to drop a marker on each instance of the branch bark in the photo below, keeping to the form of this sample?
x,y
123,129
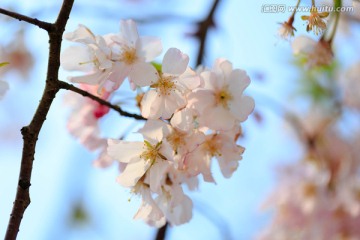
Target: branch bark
x,y
31,132
203,28
67,86
44,25
161,233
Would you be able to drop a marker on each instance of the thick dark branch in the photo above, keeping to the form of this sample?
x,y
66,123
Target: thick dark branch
x,y
31,132
161,233
67,86
203,28
44,25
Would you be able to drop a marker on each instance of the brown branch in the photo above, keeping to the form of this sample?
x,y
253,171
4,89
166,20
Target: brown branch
x,y
161,233
31,132
203,28
67,86
44,25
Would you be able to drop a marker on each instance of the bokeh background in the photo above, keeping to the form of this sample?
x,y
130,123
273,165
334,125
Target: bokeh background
x,y
71,199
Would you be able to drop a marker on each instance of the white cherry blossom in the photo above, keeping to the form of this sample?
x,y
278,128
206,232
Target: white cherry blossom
x,y
167,93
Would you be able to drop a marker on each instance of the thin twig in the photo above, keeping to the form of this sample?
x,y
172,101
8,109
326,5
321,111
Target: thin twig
x,y
203,28
31,132
44,25
67,86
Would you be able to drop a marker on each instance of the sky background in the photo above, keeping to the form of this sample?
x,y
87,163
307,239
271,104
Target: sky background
x,y
63,176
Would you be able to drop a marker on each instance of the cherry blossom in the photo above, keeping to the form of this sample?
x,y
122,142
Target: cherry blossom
x,y
167,93
317,53
286,30
221,102
315,21
109,59
193,117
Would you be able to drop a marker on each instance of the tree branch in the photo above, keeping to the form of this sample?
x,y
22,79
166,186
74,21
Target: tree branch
x,y
44,25
31,132
203,28
67,86
161,233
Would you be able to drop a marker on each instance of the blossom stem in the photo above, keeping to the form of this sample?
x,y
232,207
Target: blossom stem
x,y
44,25
67,86
294,12
337,4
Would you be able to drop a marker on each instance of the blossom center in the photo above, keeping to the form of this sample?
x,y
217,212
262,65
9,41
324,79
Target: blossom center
x,y
164,84
309,190
152,152
128,55
176,139
223,97
212,147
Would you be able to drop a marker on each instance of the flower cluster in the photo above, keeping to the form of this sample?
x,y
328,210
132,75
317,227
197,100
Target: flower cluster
x,y
318,198
192,117
315,52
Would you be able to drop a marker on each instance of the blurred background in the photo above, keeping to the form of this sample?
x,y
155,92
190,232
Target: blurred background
x,y
71,199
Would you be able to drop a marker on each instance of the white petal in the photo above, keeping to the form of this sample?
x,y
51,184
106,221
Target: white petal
x,y
211,81
241,108
149,48
224,66
217,118
174,62
190,79
152,105
124,151
77,58
157,173
200,99
303,45
155,129
133,172
129,31
181,213
184,119
238,81
143,74
82,34
173,102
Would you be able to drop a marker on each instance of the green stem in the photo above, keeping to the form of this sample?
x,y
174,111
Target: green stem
x,y
337,4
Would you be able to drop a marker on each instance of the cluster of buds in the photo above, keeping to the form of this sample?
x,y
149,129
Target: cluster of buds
x,y
193,117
